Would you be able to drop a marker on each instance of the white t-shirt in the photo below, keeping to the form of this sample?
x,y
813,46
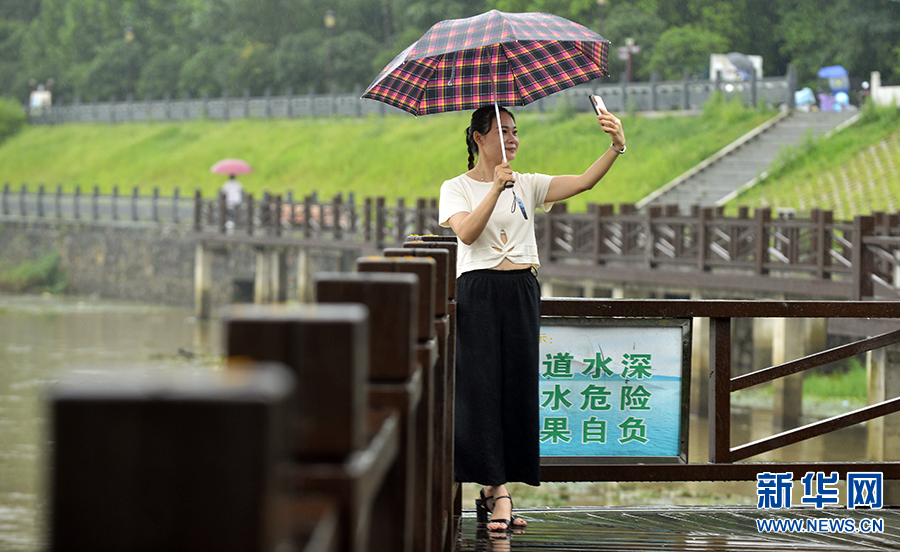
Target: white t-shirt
x,y
234,193
463,194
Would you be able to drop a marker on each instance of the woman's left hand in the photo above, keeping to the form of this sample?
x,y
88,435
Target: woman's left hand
x,y
612,126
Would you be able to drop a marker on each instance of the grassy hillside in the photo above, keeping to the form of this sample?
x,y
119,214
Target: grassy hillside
x,y
392,156
854,172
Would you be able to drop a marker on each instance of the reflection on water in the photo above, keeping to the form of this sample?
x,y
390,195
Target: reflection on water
x,y
42,337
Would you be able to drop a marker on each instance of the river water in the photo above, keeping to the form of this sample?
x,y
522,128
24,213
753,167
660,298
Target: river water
x,y
43,337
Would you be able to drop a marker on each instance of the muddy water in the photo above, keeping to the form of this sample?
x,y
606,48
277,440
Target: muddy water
x,y
42,338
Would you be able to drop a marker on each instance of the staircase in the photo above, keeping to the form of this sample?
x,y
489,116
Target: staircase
x,y
740,164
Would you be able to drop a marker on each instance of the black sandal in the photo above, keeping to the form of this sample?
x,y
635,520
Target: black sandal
x,y
481,507
506,522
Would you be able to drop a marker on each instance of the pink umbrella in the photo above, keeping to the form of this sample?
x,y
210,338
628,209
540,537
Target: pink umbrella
x,y
231,166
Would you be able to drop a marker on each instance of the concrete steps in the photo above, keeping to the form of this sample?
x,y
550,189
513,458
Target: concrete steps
x,y
739,164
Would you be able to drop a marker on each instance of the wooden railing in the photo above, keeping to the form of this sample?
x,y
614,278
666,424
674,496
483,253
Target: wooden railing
x,y
762,251
727,462
330,429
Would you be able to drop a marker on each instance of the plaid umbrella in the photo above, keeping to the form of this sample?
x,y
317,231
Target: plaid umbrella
x,y
500,58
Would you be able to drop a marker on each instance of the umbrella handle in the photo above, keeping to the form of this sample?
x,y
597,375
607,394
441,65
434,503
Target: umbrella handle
x,y
502,145
500,131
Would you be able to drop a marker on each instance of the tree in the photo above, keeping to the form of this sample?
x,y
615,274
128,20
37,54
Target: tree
x,y
876,33
12,79
631,21
686,48
161,72
348,69
253,71
106,74
300,61
580,11
206,72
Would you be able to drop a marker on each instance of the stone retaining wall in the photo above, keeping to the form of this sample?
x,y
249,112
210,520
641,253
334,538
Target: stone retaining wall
x,y
148,262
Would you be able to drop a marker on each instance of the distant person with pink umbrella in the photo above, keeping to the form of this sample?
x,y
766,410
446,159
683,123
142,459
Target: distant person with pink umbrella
x,y
233,190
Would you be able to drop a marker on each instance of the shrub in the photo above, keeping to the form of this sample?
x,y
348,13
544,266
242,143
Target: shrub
x,y
34,275
12,118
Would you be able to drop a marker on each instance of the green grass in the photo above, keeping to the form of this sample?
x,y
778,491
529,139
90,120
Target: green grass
x,y
847,384
35,275
393,156
397,156
854,172
824,395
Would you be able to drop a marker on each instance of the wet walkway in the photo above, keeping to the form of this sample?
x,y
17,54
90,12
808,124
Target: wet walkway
x,y
681,528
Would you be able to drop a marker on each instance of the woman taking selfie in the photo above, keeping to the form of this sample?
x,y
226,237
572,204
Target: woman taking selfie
x,y
491,209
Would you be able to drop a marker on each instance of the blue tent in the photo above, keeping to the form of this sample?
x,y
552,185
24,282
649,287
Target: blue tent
x,y
832,72
838,78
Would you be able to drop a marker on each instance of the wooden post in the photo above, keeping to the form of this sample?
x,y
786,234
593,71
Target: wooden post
x,y
184,461
276,214
222,210
341,446
307,217
380,221
198,211
95,210
720,390
326,346
154,206
248,200
400,229
395,380
863,261
337,215
703,241
761,240
421,206
367,220
653,212
58,201
427,356
175,204
452,491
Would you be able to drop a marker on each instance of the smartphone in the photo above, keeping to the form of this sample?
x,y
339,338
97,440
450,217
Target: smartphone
x,y
597,103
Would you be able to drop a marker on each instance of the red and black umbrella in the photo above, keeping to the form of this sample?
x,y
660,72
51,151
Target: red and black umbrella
x,y
495,58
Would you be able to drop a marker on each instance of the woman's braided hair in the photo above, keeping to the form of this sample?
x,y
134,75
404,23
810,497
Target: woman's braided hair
x,y
482,121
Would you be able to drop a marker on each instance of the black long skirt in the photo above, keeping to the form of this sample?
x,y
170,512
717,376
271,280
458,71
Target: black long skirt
x,y
497,426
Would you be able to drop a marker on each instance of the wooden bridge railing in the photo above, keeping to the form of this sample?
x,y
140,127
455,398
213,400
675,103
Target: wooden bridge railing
x,y
815,256
726,461
330,429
